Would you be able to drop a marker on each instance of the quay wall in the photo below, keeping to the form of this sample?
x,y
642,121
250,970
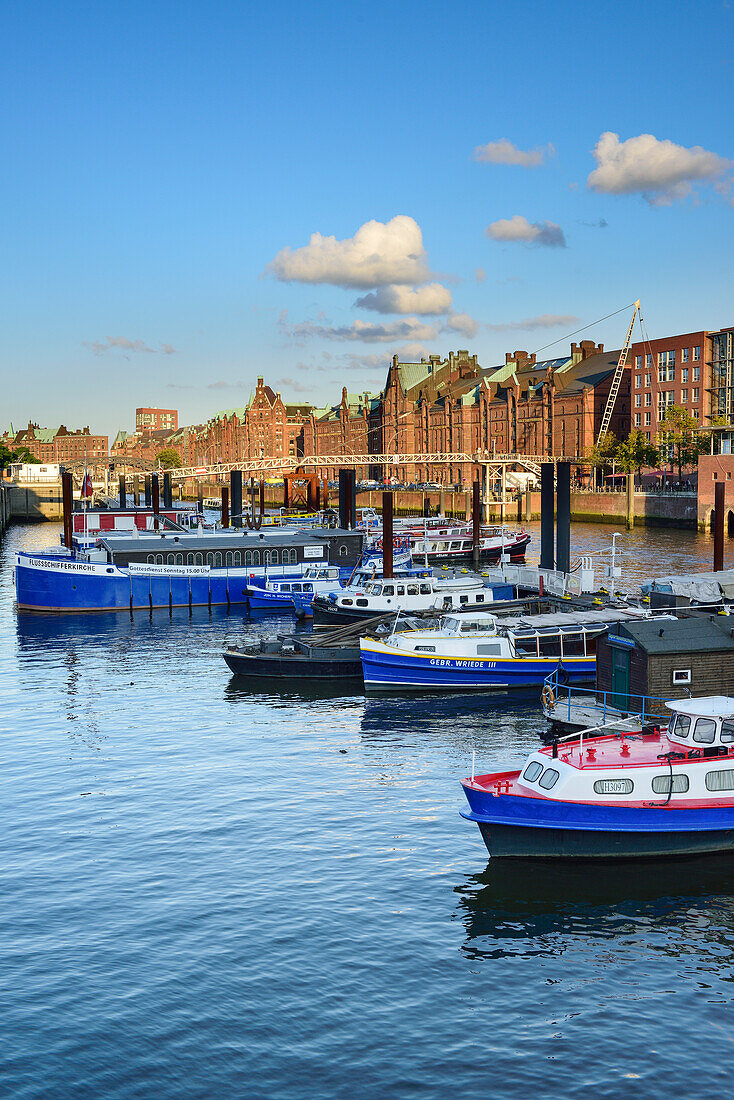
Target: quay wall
x,y
38,501
4,508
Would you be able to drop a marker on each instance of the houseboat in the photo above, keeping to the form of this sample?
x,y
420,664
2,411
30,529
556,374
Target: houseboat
x,y
416,594
665,792
481,652
174,568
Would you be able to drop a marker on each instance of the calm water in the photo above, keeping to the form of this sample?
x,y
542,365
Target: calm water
x,y
214,891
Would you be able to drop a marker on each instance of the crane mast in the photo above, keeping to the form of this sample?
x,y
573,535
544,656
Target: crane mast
x,y
616,381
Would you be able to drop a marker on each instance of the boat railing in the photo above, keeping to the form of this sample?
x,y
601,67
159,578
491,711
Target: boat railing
x,y
560,699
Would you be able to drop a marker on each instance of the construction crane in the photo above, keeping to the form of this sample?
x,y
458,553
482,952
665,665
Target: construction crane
x,y
616,381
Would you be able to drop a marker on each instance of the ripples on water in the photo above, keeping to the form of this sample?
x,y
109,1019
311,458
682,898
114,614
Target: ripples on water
x,y
212,890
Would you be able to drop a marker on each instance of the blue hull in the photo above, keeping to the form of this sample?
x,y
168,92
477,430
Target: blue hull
x,y
534,828
385,672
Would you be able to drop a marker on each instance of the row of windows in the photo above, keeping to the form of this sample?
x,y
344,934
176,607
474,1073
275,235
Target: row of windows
x,y
667,358
231,558
648,417
667,374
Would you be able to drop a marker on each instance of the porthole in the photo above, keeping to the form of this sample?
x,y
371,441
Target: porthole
x,y
532,771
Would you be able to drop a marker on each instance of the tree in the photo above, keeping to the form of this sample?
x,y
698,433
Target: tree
x,y
603,454
680,440
168,458
21,454
635,452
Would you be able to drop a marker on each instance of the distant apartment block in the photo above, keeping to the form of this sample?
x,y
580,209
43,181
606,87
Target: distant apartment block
x,y
154,420
62,444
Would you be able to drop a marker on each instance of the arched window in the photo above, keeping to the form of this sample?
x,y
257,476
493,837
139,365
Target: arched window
x,y
229,558
274,557
199,559
343,551
179,559
237,558
255,557
218,559
151,559
210,559
170,559
189,559
159,559
248,557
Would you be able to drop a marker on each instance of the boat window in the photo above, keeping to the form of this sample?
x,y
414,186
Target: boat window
x,y
479,598
218,559
426,590
151,559
295,588
463,599
274,557
377,589
248,557
720,781
548,779
388,590
550,646
228,558
346,602
489,650
455,546
362,603
199,559
400,589
308,588
614,786
159,559
573,645
661,784
681,725
532,771
704,731
526,647
425,649
237,558
727,730
412,589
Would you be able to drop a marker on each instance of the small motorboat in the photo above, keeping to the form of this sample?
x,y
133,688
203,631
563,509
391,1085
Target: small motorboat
x,y
663,792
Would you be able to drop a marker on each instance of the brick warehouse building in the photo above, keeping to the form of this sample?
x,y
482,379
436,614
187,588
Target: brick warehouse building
x,y
62,445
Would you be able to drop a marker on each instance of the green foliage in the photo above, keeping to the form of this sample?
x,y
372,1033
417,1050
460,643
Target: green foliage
x,y
168,458
604,453
636,452
680,440
21,454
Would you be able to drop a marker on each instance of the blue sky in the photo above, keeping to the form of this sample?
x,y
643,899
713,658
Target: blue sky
x,y
159,157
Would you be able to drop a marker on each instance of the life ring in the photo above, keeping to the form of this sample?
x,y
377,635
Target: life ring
x,y
548,698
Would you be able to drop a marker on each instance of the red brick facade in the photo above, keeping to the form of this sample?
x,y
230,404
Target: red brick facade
x,y
63,445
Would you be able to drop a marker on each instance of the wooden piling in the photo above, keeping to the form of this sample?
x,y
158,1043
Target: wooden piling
x,y
719,510
387,535
225,506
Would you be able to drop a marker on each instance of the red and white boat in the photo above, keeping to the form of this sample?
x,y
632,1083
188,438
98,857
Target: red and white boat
x,y
452,542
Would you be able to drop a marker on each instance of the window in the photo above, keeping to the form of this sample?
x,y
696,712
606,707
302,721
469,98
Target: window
x,y
532,771
346,602
685,355
648,399
412,589
638,400
638,364
491,651
151,559
463,599
573,645
218,560
696,373
388,590
179,559
237,558
694,395
479,598
661,784
399,589
681,725
362,603
727,730
425,590
681,675
695,414
684,397
548,779
255,557
343,551
159,559
614,786
527,646
704,731
684,374
696,353
648,379
720,781
199,559
638,419
648,363
638,379
228,558
550,646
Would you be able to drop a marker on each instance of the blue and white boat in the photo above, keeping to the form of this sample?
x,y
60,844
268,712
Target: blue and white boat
x,y
264,593
664,792
478,651
173,567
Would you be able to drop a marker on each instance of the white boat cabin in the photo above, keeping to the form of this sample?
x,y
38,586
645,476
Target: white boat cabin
x,y
416,594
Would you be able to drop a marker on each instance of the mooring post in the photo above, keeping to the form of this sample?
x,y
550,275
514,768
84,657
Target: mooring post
x,y
347,498
547,550
528,505
167,491
563,520
155,500
262,496
310,496
286,491
235,492
121,491
387,535
67,505
476,517
630,500
225,506
200,498
148,497
719,509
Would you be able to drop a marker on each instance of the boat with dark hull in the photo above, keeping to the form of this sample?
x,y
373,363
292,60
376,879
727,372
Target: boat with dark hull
x,y
291,658
661,793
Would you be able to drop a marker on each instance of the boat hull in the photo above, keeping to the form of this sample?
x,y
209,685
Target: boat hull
x,y
515,827
396,670
264,666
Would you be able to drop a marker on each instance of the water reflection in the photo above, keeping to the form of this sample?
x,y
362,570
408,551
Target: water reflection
x,y
522,907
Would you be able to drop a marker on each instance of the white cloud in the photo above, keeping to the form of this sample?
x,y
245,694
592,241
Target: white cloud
x,y
292,384
378,254
518,228
545,320
461,322
428,300
412,353
660,170
411,328
227,385
122,343
504,152
480,275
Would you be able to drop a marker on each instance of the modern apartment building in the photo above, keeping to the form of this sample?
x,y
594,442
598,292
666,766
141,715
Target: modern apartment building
x,y
153,420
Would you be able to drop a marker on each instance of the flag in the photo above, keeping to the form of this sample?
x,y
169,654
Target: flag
x,y
87,490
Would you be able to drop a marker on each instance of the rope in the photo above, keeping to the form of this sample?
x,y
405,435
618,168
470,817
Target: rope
x,y
583,328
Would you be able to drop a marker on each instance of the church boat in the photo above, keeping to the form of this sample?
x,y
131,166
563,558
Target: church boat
x,y
667,791
173,567
479,651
